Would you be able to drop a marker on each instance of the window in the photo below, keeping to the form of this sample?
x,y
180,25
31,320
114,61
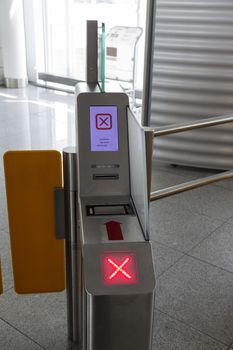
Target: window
x,y
64,30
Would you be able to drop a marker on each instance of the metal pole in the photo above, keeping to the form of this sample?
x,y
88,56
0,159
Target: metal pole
x,y
149,159
148,61
73,247
203,123
166,192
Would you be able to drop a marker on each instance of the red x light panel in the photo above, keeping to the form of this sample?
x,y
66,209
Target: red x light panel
x,y
119,268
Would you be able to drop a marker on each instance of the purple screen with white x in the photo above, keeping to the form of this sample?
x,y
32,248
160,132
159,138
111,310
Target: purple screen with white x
x,y
104,128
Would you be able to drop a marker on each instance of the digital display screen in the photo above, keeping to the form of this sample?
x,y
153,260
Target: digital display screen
x,y
104,128
119,268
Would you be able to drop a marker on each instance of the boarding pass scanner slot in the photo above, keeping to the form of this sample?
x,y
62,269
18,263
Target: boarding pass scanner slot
x,y
103,210
104,177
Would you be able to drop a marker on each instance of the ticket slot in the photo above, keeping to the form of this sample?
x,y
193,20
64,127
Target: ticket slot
x,y
104,177
105,210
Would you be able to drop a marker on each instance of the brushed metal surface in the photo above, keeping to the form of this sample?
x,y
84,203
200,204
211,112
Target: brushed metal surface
x,y
87,160
193,79
94,228
119,316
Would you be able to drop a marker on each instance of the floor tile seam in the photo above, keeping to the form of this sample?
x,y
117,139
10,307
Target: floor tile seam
x,y
208,263
170,171
155,171
196,258
230,218
167,246
203,214
25,335
186,252
195,211
206,237
162,273
230,346
8,289
218,184
192,327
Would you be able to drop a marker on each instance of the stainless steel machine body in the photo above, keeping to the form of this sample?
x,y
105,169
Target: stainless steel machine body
x,y
117,267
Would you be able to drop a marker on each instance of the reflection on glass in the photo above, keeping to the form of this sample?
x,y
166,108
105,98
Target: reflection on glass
x,y
138,177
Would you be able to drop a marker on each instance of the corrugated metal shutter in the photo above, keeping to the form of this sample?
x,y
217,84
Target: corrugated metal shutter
x,y
193,79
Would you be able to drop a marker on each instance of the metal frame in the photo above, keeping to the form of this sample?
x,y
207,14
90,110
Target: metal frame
x,y
73,247
174,129
148,61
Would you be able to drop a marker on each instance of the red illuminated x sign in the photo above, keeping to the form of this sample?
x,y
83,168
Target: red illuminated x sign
x,y
119,268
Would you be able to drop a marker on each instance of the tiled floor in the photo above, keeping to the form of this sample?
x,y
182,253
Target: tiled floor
x,y
192,236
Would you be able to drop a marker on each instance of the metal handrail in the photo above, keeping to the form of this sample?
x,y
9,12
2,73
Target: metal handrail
x,y
169,191
202,123
173,129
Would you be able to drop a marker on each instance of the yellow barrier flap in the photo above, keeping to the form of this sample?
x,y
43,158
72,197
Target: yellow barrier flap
x,y
1,284
37,257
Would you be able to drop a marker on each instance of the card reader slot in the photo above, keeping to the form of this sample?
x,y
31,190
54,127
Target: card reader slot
x,y
109,210
106,177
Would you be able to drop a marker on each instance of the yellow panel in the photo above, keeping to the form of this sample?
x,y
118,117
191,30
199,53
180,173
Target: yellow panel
x,y
1,285
37,257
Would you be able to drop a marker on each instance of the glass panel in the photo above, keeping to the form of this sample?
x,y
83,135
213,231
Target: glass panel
x,y
120,52
138,177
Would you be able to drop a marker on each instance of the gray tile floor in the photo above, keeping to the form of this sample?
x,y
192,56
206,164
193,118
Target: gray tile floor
x,y
192,236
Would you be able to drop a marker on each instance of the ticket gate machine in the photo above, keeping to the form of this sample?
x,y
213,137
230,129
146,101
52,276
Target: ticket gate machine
x,y
118,273
101,212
